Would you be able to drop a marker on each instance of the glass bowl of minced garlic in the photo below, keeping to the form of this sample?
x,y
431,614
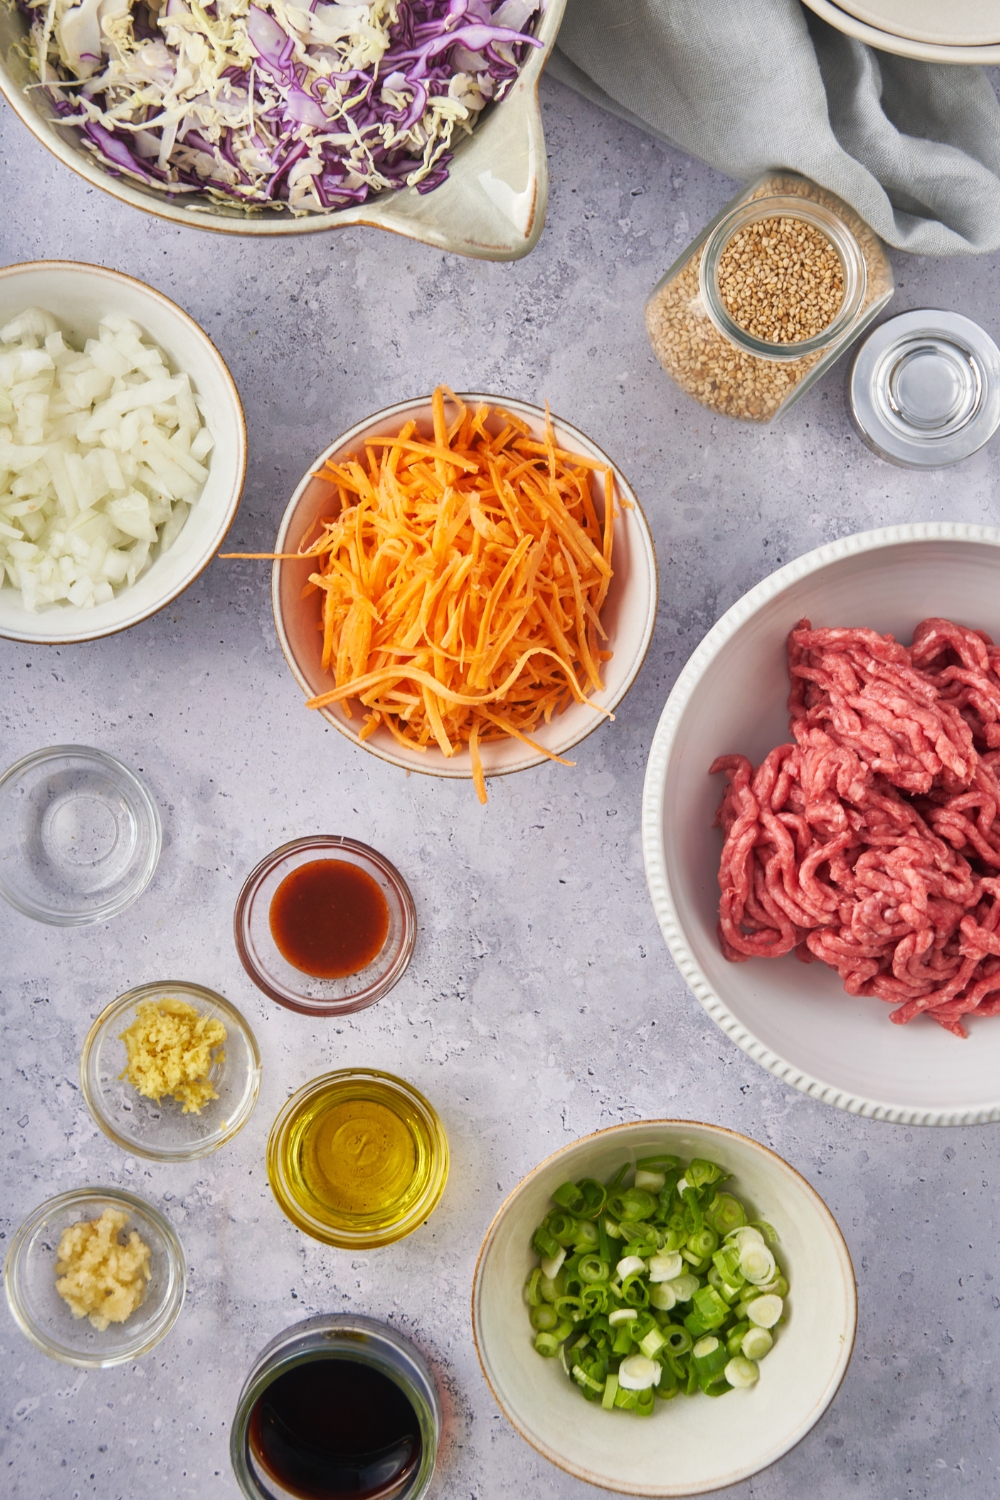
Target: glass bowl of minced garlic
x,y
95,1277
170,1071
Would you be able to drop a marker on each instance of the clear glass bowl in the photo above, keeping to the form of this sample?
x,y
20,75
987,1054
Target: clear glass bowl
x,y
339,1336
79,836
289,1139
43,1316
162,1131
271,971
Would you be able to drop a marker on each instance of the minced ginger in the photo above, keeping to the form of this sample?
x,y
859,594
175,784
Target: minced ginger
x,y
99,1277
170,1051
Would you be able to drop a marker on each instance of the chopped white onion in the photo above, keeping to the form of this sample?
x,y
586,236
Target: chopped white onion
x,y
101,458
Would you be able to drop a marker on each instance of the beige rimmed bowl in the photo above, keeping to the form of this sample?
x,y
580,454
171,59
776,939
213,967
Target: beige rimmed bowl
x,y
864,28
628,616
731,697
492,205
79,295
690,1445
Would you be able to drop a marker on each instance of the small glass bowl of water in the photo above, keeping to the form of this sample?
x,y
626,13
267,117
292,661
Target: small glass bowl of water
x,y
79,836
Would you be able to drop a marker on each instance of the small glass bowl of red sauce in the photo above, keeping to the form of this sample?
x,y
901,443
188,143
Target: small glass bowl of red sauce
x,y
325,925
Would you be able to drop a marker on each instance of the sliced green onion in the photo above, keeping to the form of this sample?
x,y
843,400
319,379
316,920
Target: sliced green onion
x,y
662,1296
634,1289
544,1318
683,1287
587,1236
637,1373
756,1343
702,1173
652,1182
657,1163
756,1263
611,1228
678,1340
610,1391
629,1264
551,1287
594,1195
562,1227
568,1196
742,1373
544,1243
622,1315
765,1311
582,1378
652,1343
664,1267
725,1213
547,1345
532,1291
593,1268
552,1264
734,1337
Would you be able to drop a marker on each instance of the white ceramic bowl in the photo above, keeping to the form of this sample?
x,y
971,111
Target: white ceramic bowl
x,y
902,46
79,296
689,1446
628,616
492,205
796,1019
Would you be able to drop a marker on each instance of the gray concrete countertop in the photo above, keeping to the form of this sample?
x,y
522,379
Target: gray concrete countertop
x,y
541,1002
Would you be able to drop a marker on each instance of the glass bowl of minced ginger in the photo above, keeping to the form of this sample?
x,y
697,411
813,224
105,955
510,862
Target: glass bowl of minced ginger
x,y
170,1071
95,1277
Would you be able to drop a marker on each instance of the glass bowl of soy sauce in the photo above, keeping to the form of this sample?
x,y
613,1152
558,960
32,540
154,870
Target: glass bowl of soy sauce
x,y
325,925
339,1405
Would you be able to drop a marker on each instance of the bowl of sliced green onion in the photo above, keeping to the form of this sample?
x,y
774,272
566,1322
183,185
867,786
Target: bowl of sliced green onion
x,y
641,1274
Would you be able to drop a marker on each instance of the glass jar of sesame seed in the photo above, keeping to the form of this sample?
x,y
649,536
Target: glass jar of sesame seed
x,y
767,297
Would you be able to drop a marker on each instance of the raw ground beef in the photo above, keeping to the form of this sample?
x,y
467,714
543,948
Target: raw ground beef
x,y
872,842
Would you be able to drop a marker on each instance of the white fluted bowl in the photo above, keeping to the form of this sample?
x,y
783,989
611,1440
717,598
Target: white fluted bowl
x,y
795,1019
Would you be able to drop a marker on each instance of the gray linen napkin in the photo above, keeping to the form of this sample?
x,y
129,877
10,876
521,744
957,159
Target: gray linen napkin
x,y
748,85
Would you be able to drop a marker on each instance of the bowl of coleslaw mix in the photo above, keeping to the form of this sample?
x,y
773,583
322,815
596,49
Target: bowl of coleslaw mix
x,y
684,1444
276,117
122,451
840,723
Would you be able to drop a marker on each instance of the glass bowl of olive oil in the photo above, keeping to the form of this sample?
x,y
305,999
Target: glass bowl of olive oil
x,y
357,1158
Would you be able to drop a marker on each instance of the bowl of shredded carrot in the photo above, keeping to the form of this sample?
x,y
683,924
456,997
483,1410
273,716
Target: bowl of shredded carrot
x,y
465,586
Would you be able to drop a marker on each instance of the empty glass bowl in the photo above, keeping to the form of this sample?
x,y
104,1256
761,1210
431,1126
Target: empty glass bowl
x,y
40,1312
79,836
271,971
161,1131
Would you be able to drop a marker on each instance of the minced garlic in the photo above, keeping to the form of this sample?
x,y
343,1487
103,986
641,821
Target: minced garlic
x,y
170,1051
99,1277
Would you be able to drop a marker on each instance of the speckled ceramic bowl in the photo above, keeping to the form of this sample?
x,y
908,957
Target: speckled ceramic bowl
x,y
688,1446
492,205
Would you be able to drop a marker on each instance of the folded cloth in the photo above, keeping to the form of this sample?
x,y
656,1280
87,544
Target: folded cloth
x,y
749,85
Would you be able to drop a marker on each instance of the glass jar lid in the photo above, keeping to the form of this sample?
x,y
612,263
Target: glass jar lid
x,y
925,388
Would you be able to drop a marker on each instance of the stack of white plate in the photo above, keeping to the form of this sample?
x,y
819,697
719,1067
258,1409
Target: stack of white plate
x,y
963,31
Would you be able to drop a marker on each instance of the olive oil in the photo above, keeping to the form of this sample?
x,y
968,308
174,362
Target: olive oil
x,y
358,1158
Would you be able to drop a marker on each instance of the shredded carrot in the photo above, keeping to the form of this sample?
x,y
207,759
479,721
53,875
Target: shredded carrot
x,y
463,580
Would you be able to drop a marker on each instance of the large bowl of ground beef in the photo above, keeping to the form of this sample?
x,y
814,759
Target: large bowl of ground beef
x,y
821,823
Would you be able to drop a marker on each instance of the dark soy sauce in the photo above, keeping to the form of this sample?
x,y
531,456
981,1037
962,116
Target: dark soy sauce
x,y
335,1428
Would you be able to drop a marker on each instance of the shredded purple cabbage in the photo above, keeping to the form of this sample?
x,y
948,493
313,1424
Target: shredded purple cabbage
x,y
284,103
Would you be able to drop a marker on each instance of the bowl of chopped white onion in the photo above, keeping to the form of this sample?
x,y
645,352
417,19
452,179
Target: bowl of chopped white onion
x,y
122,451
